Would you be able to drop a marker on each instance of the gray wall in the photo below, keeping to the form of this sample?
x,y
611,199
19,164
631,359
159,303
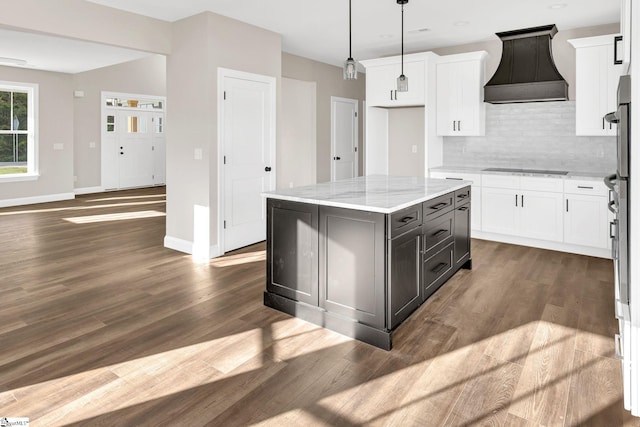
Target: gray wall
x,y
144,76
55,126
564,55
540,135
201,44
329,82
406,128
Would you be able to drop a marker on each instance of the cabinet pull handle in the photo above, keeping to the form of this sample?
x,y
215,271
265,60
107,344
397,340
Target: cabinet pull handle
x,y
439,206
603,123
406,219
395,95
454,125
439,233
463,196
611,232
516,200
567,205
585,187
522,201
440,267
455,179
464,208
459,126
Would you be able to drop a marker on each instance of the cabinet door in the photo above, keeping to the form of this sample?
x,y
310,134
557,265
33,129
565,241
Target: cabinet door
x,y
414,71
586,220
447,98
500,209
380,85
470,117
404,276
352,264
292,250
462,235
541,215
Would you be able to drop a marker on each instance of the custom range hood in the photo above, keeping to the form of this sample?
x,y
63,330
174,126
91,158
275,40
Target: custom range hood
x,y
526,72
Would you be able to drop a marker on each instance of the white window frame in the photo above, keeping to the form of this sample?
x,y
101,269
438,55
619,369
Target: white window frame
x,y
32,130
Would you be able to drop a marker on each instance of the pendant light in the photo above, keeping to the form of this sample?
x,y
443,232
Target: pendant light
x,y
350,66
403,82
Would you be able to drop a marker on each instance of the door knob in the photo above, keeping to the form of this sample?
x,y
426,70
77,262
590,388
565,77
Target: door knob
x,y
121,148
267,169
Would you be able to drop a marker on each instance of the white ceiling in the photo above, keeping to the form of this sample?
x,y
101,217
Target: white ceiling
x,y
319,29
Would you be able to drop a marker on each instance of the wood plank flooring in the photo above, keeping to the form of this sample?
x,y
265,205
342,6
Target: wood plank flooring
x,y
101,325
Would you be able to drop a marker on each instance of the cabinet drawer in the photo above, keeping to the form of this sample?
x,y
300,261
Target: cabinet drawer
x,y
535,183
501,181
475,178
436,270
579,186
462,196
438,230
405,220
437,206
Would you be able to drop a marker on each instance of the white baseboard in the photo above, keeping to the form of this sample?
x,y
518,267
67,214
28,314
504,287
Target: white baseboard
x,y
542,244
88,190
36,199
186,246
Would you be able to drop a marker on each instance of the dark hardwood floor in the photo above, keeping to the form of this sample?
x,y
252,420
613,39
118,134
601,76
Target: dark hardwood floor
x,y
101,325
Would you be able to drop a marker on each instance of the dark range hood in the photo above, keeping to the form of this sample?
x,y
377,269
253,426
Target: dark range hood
x,y
526,72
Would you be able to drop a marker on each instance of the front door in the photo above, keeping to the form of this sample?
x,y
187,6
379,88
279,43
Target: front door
x,y
248,158
135,155
344,138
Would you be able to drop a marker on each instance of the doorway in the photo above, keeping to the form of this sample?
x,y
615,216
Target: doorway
x,y
344,138
247,132
133,141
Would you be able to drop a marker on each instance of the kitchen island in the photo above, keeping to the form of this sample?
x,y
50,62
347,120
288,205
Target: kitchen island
x,y
358,256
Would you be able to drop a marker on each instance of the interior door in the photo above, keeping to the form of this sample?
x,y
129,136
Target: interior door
x,y
158,148
344,138
247,147
135,157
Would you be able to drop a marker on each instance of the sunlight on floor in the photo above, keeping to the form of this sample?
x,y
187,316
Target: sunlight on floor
x,y
114,217
246,258
148,196
81,208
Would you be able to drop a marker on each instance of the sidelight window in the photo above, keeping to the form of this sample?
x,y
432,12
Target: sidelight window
x,y
17,130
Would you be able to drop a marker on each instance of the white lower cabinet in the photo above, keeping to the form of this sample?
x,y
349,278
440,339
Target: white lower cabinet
x,y
532,214
586,216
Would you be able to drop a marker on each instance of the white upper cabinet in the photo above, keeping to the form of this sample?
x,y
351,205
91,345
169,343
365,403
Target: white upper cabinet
x,y
460,99
596,84
382,75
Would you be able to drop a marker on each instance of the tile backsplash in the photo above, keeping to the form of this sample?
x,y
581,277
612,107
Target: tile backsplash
x,y
536,135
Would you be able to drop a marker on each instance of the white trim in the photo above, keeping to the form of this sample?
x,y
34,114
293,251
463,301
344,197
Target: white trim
x,y
187,247
88,190
356,103
542,244
36,199
19,177
271,81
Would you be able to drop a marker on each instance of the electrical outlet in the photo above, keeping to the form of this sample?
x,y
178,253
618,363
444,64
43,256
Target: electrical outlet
x,y
92,144
197,154
291,185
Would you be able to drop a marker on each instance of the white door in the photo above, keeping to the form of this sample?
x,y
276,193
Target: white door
x,y
344,138
249,163
135,156
158,148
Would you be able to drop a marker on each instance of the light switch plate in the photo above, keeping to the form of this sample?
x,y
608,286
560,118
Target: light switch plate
x,y
58,146
197,154
92,145
414,148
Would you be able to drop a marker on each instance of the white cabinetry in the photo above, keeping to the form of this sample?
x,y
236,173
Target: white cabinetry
x,y
381,85
476,193
586,214
528,207
596,84
460,101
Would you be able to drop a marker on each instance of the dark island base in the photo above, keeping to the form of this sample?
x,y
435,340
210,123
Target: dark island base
x,y
335,322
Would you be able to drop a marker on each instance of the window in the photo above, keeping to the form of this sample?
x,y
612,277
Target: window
x,y
17,130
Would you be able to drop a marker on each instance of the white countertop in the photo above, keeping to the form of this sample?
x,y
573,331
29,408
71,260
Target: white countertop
x,y
591,175
375,193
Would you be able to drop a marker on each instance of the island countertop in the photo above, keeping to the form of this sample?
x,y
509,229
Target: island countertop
x,y
375,193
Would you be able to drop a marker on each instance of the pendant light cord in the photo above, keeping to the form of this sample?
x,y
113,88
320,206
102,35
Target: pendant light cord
x,y
350,29
401,42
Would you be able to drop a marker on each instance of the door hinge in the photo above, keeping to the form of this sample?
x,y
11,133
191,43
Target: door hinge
x,y
153,177
153,148
224,224
356,114
355,149
224,95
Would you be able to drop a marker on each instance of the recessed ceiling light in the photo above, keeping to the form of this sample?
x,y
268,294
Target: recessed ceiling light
x,y
558,6
419,30
461,23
